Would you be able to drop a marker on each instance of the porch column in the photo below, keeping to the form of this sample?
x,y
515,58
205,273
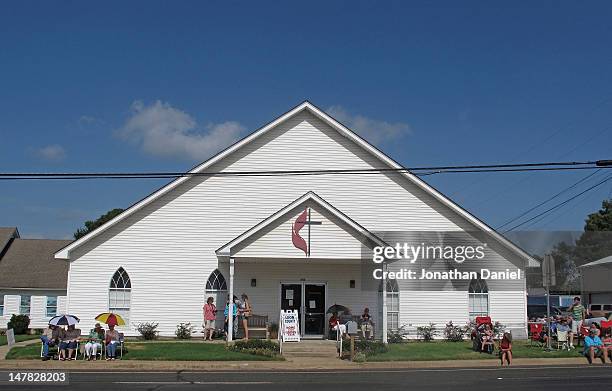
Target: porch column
x,y
384,304
230,312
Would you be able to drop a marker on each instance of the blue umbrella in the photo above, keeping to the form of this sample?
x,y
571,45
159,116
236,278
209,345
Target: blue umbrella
x,y
64,320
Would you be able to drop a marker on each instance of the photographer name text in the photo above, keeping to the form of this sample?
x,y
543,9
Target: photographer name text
x,y
424,274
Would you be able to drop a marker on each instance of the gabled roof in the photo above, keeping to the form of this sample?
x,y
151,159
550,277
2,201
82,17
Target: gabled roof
x,y
29,264
6,234
349,134
226,250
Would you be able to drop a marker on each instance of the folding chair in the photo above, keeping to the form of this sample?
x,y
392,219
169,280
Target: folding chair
x,y
121,340
51,347
535,333
562,339
99,352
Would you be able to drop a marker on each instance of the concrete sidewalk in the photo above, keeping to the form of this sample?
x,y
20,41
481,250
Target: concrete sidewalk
x,y
293,364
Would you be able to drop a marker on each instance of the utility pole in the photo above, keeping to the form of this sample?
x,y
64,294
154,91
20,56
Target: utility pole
x,y
548,279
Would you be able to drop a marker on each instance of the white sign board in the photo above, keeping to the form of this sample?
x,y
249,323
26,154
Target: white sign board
x,y
10,337
290,326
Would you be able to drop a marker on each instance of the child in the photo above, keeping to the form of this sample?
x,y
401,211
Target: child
x,y
487,337
505,349
210,314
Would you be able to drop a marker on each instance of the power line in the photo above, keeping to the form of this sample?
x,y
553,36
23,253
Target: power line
x,y
560,204
548,199
547,166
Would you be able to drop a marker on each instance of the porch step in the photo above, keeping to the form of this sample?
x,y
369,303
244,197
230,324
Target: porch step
x,y
310,349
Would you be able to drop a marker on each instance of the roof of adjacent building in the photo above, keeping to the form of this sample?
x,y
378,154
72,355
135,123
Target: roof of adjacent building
x,y
602,261
6,234
29,263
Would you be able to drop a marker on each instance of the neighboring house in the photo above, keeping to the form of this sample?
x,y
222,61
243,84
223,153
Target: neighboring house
x,y
31,281
203,236
596,281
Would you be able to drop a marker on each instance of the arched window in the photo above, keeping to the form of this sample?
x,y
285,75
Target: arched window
x,y
392,304
216,282
478,298
120,294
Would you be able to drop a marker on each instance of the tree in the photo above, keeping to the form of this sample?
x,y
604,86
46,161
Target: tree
x,y
91,225
594,243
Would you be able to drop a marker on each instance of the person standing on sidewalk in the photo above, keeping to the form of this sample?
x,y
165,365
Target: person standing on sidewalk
x,y
210,314
245,312
578,314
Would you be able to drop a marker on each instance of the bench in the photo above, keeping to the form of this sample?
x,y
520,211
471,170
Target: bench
x,y
256,324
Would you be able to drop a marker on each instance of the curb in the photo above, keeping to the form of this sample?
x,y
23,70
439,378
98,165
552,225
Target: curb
x,y
292,365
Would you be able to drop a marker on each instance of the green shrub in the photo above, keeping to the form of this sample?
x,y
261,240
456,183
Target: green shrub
x,y
19,324
359,357
453,333
260,347
397,336
368,348
184,330
148,331
427,333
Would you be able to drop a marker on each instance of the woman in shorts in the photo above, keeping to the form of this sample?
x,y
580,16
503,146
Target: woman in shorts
x,y
210,314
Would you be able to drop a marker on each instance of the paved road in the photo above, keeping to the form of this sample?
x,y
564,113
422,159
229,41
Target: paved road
x,y
597,378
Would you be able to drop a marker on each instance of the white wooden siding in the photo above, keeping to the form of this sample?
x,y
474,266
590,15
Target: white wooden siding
x,y
168,247
324,241
38,307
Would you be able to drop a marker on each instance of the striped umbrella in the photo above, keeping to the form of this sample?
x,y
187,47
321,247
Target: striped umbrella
x,y
111,319
64,320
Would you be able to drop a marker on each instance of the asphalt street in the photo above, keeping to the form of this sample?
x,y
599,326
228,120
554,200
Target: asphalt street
x,y
469,379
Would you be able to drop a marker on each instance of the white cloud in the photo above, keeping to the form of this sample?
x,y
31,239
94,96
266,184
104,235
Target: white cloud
x,y
162,130
375,131
51,153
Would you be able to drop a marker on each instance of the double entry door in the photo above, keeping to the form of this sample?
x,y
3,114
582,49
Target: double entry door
x,y
309,300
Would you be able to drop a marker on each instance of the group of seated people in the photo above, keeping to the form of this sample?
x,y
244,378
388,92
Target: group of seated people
x,y
68,340
597,340
336,324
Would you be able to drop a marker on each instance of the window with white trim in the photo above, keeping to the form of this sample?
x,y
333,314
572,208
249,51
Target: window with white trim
x,y
120,294
51,306
478,298
392,304
1,305
216,282
25,304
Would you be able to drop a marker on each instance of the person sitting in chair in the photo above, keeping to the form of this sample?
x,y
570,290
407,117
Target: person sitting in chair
x,y
594,347
487,337
112,340
94,342
50,337
366,324
335,326
69,342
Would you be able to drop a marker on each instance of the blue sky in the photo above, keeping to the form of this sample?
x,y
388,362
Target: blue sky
x,y
95,87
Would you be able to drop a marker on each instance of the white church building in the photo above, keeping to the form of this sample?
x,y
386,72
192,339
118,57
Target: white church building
x,y
288,241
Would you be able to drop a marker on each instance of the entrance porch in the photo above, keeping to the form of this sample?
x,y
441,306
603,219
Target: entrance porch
x,y
310,287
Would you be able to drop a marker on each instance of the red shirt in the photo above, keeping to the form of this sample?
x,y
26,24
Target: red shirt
x,y
209,311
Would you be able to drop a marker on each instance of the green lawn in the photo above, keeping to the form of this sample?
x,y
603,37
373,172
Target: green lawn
x,y
18,338
169,351
431,351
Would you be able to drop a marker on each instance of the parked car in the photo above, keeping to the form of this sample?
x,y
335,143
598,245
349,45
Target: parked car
x,y
539,311
599,310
